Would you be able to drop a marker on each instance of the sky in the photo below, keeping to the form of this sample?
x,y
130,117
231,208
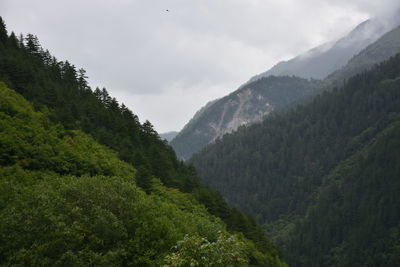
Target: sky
x,y
165,59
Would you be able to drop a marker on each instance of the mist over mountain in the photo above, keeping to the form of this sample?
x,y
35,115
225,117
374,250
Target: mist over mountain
x,y
321,61
385,47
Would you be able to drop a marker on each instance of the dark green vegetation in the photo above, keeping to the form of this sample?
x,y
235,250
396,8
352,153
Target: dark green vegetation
x,y
324,177
356,214
246,105
71,160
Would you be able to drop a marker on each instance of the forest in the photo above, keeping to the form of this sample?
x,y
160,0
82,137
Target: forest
x,y
84,183
322,177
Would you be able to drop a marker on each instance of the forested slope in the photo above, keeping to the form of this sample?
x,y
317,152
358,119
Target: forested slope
x,y
68,201
43,149
273,170
355,216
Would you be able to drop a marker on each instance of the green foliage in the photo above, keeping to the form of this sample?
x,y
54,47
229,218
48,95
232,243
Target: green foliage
x,y
275,171
29,139
62,220
197,251
53,220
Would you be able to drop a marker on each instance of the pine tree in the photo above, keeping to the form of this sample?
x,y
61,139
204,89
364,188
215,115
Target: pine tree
x,y
82,82
32,44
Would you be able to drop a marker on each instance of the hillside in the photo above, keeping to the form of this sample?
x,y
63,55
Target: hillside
x,y
275,171
247,105
99,188
367,183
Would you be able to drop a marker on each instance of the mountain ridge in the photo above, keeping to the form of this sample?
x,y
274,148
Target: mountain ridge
x,y
195,135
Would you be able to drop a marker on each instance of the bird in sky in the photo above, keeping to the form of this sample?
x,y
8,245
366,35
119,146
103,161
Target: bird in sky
x,y
167,10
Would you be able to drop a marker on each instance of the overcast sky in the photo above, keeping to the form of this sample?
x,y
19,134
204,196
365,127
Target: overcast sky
x,y
165,65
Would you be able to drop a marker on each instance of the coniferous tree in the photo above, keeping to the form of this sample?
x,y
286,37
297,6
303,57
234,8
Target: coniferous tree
x,y
32,44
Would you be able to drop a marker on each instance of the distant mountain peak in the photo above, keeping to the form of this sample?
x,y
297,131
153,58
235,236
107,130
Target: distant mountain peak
x,y
319,62
168,135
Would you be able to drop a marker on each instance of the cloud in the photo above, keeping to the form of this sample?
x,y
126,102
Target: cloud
x,y
173,62
370,7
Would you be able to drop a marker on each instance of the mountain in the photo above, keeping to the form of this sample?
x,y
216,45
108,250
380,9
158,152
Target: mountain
x,y
83,182
229,113
247,105
322,177
168,136
321,61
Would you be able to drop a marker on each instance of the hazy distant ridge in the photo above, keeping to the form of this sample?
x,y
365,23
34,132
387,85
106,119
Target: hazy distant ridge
x,y
321,61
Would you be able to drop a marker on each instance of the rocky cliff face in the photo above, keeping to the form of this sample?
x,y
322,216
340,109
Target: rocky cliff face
x,y
247,105
241,109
